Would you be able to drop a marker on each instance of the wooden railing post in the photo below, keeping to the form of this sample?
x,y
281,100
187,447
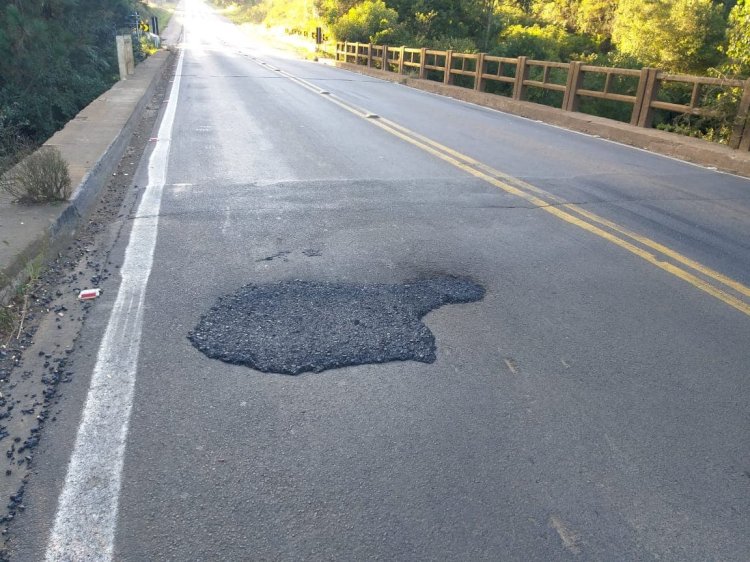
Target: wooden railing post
x,y
522,73
386,66
369,55
422,62
741,129
575,79
401,55
646,114
447,76
639,93
479,79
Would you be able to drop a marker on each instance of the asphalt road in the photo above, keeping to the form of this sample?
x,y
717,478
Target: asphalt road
x,y
592,405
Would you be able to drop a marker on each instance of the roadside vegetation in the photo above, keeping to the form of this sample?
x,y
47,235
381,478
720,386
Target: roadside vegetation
x,y
700,37
56,56
41,177
13,313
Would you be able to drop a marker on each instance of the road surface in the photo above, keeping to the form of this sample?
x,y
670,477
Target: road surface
x,y
592,405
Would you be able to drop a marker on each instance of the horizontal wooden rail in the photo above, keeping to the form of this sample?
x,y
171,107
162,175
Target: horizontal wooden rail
x,y
547,63
545,85
605,95
611,70
700,79
639,88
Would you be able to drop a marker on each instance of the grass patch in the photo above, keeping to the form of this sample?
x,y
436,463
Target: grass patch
x,y
13,315
8,322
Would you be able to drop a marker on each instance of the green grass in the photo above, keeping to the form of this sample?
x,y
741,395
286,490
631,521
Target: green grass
x,y
12,314
34,269
7,322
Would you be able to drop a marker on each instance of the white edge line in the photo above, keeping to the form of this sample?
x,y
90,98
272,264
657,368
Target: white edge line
x,y
86,517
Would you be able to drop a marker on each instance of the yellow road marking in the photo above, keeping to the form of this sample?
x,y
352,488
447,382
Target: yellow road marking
x,y
708,272
697,282
554,205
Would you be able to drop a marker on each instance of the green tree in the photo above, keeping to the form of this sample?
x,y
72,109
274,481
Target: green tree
x,y
561,13
55,57
679,35
332,10
447,18
500,14
738,39
371,21
548,42
595,17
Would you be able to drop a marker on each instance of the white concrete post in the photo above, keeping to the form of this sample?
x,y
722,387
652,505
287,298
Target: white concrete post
x,y
125,59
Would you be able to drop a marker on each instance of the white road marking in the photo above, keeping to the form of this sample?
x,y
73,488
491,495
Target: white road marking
x,y
85,522
511,364
227,221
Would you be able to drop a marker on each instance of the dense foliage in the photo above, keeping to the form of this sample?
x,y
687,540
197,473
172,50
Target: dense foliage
x,y
695,36
702,37
55,57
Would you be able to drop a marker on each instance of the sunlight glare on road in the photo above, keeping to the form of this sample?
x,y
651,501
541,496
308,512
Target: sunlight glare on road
x,y
209,33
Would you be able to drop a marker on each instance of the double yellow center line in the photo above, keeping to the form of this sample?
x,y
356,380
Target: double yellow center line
x,y
719,286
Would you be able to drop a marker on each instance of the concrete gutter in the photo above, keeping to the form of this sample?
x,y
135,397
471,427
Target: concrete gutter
x,y
93,144
690,149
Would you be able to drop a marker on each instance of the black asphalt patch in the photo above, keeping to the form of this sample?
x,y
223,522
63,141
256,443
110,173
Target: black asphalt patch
x,y
293,327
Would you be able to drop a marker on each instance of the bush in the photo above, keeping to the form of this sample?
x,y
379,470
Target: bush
x,y
371,21
543,43
41,178
455,44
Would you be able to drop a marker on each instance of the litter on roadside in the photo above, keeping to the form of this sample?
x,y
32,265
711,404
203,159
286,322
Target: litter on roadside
x,y
88,294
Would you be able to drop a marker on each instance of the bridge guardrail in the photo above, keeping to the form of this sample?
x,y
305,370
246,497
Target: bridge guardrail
x,y
576,81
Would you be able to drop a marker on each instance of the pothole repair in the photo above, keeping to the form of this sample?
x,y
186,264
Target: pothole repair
x,y
293,327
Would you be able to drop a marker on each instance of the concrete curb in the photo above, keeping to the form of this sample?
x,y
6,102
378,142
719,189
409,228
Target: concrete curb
x,y
689,149
88,189
90,169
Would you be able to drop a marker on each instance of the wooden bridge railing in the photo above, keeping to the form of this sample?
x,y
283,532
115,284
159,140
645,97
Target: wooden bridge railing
x,y
575,81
